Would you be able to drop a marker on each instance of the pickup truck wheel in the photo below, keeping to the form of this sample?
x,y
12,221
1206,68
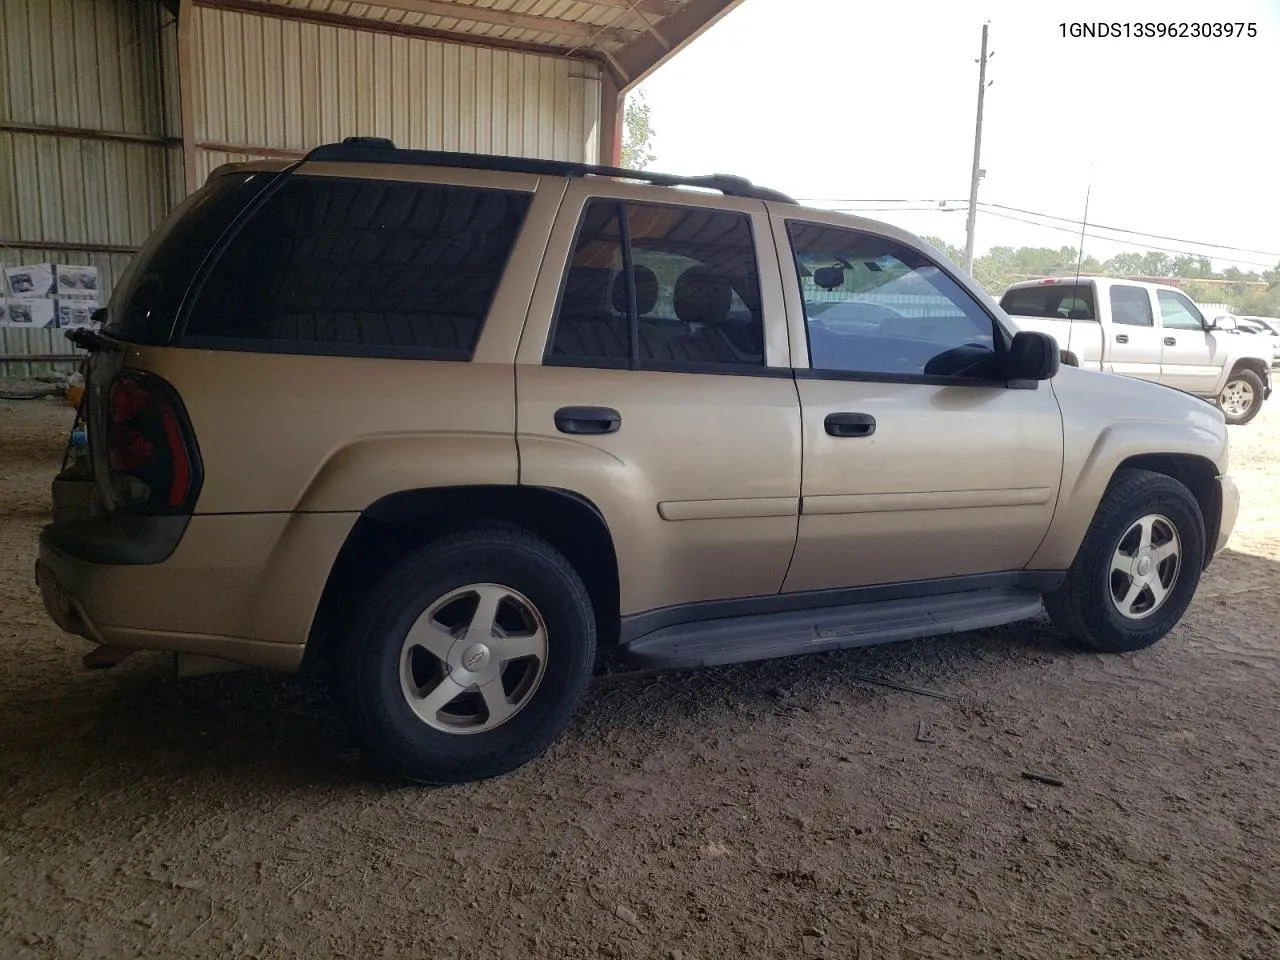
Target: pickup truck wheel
x,y
1138,567
469,659
1241,398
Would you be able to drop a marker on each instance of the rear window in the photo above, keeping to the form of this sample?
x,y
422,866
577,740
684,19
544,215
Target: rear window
x,y
364,267
1057,301
145,303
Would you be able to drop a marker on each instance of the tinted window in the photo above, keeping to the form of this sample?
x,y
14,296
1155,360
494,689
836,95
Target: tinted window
x,y
1131,306
1059,301
145,302
1177,312
362,266
691,273
873,306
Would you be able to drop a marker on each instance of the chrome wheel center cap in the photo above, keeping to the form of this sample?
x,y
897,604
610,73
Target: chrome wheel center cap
x,y
1143,568
475,657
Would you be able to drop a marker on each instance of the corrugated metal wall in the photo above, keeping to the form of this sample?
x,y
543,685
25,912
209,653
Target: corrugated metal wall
x,y
289,85
87,131
90,115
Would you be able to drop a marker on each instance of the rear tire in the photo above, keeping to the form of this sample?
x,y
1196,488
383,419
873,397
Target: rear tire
x,y
1138,567
469,659
1241,398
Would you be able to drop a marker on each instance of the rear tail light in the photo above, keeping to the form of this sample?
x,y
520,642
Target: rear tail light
x,y
155,466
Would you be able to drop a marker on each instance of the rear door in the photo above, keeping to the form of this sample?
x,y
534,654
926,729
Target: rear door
x,y
1191,357
918,464
653,380
1133,339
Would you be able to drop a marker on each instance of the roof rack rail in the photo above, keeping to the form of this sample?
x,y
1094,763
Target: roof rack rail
x,y
381,150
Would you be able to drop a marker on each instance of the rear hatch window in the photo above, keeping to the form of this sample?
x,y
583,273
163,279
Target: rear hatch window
x,y
145,302
1056,301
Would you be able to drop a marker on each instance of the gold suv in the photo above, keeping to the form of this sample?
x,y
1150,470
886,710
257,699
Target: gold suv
x,y
450,424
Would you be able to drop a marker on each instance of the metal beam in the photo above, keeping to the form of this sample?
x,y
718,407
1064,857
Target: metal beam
x,y
275,153
186,95
643,55
610,122
264,9
81,133
660,8
68,246
471,13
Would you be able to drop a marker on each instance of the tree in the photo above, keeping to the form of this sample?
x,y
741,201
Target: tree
x,y
637,133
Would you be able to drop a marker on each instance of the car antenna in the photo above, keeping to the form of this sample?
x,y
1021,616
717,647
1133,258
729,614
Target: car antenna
x,y
1080,254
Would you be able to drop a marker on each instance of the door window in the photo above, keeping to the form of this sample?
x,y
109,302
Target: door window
x,y
660,287
1131,306
1177,312
878,308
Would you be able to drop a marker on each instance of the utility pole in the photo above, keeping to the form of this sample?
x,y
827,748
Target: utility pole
x,y
977,156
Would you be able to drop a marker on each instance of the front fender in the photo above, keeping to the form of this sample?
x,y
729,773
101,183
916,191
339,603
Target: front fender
x,y
1092,458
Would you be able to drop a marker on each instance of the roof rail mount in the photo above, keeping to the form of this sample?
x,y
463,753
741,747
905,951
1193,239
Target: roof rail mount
x,y
382,150
383,143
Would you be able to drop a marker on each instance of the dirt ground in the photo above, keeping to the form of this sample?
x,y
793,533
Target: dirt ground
x,y
786,809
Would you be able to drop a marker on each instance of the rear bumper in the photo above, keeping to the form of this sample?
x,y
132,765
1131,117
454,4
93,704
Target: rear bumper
x,y
72,591
1230,495
238,587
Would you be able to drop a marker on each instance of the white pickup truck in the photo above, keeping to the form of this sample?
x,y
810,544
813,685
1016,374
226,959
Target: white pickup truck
x,y
1149,331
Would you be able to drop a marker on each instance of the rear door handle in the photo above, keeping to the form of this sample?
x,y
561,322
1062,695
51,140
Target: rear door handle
x,y
588,420
850,424
1170,342
1122,338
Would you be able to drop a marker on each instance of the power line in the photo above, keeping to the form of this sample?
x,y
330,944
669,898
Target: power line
x,y
1137,233
1097,236
1049,216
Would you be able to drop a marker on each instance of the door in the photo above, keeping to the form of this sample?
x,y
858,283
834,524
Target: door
x,y
918,464
1133,340
1188,359
659,392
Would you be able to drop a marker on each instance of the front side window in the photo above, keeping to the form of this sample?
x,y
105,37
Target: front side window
x,y
1177,312
361,266
876,307
1131,306
659,287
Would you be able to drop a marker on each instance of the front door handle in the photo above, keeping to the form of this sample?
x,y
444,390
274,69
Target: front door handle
x,y
1170,342
588,420
1122,338
850,424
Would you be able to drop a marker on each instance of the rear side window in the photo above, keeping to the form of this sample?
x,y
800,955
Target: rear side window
x,y
660,287
365,267
1131,306
145,303
1056,301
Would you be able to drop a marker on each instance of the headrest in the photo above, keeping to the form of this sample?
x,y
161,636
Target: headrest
x,y
702,296
646,291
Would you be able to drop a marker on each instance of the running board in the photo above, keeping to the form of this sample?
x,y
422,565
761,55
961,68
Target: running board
x,y
765,636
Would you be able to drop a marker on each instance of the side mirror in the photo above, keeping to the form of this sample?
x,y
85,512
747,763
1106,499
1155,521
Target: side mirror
x,y
1032,356
1224,322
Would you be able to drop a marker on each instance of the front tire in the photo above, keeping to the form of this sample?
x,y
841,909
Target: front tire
x,y
1241,398
469,659
1138,567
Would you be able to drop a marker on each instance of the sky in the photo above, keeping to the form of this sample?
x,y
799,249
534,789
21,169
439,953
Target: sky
x,y
852,103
